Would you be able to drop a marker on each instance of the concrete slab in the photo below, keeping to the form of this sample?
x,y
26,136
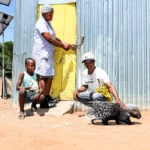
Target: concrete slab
x,y
59,110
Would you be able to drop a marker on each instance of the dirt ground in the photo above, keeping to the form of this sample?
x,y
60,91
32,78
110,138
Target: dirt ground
x,y
69,132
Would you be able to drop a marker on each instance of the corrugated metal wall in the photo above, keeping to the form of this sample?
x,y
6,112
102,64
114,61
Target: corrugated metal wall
x,y
25,18
118,33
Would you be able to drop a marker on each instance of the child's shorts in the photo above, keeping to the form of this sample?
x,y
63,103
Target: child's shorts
x,y
29,98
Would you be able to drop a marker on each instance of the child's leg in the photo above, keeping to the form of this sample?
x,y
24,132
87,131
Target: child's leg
x,y
22,93
37,99
42,97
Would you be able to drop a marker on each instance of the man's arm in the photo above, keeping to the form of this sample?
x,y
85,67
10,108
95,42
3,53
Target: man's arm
x,y
71,46
81,89
57,42
58,39
113,91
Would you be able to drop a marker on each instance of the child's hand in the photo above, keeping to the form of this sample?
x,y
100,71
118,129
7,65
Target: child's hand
x,y
31,89
26,88
33,86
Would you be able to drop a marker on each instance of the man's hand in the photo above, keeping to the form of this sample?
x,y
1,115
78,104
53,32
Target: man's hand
x,y
31,89
71,46
81,89
122,105
65,46
113,91
75,94
68,46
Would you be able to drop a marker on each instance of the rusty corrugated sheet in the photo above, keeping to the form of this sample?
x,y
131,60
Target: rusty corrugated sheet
x,y
118,33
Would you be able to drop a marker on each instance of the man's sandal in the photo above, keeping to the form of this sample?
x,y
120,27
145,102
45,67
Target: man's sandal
x,y
21,115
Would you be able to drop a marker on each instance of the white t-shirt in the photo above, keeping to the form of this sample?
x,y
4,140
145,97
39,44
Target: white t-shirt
x,y
95,80
42,47
43,50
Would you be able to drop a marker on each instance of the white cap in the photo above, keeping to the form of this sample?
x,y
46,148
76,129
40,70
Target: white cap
x,y
88,56
46,8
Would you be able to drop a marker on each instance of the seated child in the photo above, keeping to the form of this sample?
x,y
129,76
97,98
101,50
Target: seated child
x,y
29,88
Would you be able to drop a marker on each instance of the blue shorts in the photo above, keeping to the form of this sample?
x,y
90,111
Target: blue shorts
x,y
29,98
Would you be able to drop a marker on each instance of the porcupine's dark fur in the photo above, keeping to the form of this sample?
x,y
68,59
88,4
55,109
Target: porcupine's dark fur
x,y
105,111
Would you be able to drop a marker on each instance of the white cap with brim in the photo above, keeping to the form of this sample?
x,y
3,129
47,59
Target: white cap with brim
x,y
88,56
46,8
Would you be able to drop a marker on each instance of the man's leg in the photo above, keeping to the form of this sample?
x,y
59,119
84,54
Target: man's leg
x,y
48,86
91,96
98,97
86,96
48,89
43,82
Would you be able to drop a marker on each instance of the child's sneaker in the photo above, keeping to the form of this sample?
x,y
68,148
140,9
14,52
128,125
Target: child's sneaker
x,y
21,115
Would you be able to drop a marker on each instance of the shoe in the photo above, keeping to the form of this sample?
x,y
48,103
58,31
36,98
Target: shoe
x,y
21,115
53,101
52,105
44,104
50,100
33,105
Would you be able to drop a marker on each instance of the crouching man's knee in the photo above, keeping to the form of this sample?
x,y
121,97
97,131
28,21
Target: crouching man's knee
x,y
98,96
22,91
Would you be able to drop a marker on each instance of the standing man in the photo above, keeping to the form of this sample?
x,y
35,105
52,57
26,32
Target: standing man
x,y
45,41
92,78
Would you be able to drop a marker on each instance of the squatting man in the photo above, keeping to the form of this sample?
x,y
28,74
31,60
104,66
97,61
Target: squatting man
x,y
92,78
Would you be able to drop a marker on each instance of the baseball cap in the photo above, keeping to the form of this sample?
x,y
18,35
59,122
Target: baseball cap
x,y
46,8
88,56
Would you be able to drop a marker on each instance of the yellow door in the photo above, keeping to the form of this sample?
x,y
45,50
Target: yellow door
x,y
64,24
